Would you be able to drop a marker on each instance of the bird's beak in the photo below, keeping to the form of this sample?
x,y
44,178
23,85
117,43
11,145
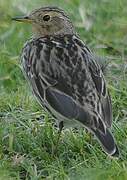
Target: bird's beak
x,y
25,19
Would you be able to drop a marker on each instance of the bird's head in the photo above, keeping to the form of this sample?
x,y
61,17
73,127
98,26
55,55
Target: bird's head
x,y
48,21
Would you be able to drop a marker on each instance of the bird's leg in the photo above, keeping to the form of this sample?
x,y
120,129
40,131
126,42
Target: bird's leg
x,y
89,136
58,137
59,131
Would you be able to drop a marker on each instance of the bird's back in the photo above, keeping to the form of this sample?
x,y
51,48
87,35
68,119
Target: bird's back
x,y
62,61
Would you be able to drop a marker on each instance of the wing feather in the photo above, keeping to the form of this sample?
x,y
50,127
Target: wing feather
x,y
100,84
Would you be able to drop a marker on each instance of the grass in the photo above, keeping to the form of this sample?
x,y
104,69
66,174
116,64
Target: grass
x,y
27,134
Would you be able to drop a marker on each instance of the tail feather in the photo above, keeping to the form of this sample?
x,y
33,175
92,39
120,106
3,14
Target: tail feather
x,y
107,142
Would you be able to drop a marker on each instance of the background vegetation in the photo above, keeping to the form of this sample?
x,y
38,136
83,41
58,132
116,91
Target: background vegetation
x,y
27,137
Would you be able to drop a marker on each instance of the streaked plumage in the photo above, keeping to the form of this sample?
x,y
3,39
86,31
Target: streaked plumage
x,y
66,79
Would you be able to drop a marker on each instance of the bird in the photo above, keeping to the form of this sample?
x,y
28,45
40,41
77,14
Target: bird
x,y
65,77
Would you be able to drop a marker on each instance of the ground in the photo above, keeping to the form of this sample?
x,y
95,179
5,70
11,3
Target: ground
x,y
27,134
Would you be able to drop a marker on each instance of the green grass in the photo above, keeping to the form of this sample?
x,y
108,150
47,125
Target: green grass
x,y
27,134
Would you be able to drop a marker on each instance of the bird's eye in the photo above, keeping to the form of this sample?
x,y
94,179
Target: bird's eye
x,y
46,17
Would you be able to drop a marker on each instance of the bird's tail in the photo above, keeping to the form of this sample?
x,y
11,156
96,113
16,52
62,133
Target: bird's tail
x,y
107,142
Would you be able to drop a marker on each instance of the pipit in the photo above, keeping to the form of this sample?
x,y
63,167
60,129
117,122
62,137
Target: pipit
x,y
65,77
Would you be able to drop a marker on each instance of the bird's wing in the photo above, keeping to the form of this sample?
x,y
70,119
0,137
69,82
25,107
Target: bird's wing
x,y
100,83
105,109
